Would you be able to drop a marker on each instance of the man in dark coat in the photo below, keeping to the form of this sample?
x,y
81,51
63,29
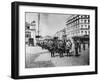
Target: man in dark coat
x,y
83,45
52,48
60,48
79,45
76,47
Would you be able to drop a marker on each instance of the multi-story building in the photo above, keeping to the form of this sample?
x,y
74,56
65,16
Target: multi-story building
x,y
61,34
30,33
78,25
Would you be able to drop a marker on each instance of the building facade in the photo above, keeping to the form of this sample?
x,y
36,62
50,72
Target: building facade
x,y
30,33
78,25
61,34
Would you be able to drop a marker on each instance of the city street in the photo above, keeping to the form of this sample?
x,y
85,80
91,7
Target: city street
x,y
57,33
37,57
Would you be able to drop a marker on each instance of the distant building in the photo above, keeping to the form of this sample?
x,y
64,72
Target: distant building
x,y
61,34
30,33
58,34
78,25
47,37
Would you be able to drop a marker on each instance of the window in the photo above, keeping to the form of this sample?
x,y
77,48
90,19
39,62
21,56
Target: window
x,y
81,31
88,21
81,26
85,21
28,35
81,20
88,26
27,27
76,17
33,22
86,32
81,16
87,16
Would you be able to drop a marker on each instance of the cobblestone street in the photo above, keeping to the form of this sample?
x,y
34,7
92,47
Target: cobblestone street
x,y
37,57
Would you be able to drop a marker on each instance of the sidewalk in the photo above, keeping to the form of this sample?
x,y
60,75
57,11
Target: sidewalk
x,y
35,50
36,57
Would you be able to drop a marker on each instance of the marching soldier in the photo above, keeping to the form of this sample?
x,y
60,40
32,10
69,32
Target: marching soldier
x,y
60,48
51,49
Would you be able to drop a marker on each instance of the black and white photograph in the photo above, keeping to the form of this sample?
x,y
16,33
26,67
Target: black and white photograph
x,y
53,40
50,40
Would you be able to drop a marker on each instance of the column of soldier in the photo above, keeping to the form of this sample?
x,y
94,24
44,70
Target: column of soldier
x,y
60,47
56,46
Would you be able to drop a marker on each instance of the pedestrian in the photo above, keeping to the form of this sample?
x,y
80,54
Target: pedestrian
x,y
60,47
64,46
76,48
52,49
84,46
79,45
68,47
88,44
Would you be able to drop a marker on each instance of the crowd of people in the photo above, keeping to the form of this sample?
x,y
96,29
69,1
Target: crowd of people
x,y
62,47
57,46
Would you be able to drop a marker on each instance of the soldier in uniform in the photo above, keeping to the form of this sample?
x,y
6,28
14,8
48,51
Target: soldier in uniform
x,y
64,46
79,45
56,46
43,44
76,47
51,48
60,48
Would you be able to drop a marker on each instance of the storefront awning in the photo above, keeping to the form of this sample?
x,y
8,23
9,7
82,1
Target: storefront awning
x,y
84,37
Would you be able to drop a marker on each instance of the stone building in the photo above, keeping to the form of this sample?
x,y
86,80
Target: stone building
x,y
78,25
61,34
30,33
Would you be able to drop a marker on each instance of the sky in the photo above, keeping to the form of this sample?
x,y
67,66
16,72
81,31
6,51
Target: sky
x,y
49,23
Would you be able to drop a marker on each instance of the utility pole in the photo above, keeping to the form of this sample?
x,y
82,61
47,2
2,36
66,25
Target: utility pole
x,y
38,23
